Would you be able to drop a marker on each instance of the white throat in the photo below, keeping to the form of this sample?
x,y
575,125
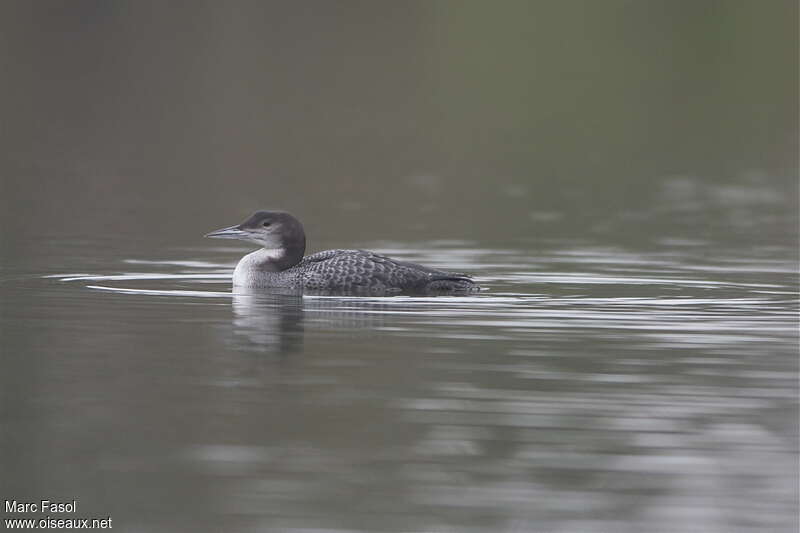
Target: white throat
x,y
256,265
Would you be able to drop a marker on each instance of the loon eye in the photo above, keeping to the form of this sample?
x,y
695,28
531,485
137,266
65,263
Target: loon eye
x,y
266,224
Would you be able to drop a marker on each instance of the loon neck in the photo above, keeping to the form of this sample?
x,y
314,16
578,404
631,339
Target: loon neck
x,y
263,267
273,259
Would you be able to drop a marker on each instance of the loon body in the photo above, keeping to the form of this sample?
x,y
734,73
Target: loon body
x,y
280,263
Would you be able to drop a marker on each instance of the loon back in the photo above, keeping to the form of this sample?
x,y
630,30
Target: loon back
x,y
361,270
280,263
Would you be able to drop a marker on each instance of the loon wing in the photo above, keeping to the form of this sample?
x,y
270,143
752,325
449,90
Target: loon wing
x,y
350,269
434,273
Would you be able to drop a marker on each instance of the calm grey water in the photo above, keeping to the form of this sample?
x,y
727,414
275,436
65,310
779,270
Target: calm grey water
x,y
593,386
621,177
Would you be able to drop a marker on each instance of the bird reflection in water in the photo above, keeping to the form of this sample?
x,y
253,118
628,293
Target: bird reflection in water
x,y
275,322
268,322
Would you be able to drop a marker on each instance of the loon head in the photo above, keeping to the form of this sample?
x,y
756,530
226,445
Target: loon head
x,y
275,231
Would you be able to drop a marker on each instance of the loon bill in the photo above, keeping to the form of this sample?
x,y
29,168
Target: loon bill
x,y
280,263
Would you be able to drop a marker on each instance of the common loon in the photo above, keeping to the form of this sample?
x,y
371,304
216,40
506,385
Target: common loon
x,y
280,263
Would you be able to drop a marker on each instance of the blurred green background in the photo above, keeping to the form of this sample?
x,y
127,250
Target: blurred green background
x,y
386,119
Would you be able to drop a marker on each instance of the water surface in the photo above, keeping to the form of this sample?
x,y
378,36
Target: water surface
x,y
591,386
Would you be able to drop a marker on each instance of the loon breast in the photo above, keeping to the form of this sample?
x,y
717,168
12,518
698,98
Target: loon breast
x,y
254,269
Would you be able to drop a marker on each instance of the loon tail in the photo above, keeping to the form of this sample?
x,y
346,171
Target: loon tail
x,y
451,282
